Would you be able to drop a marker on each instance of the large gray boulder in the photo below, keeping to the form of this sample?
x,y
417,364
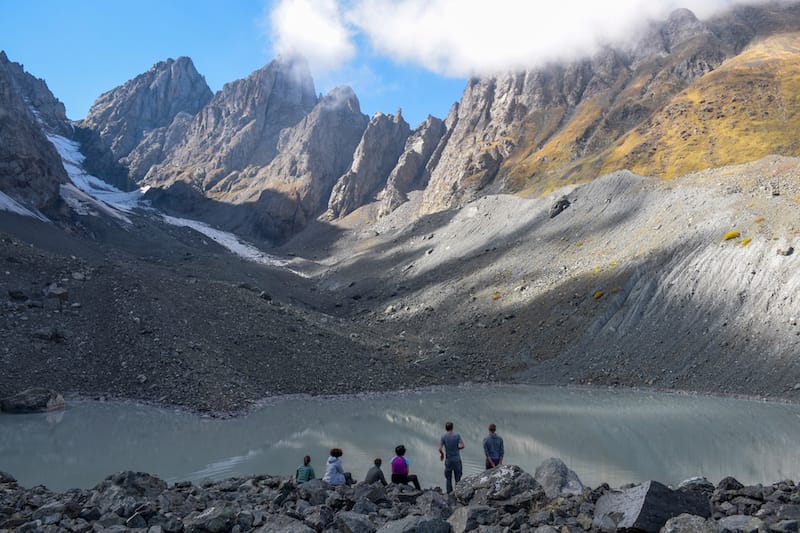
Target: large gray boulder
x,y
471,517
215,519
557,479
647,507
350,522
120,489
688,523
413,524
432,503
284,524
315,491
33,400
496,485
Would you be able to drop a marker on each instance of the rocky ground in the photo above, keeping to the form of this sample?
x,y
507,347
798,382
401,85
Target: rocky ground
x,y
502,499
633,284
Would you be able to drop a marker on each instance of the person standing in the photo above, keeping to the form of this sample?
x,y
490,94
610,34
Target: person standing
x,y
450,447
493,448
375,473
306,472
400,467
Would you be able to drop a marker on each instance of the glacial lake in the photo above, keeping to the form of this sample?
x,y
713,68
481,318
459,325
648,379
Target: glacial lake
x,y
609,436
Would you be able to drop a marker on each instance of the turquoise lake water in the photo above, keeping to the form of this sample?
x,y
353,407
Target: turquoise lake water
x,y
603,435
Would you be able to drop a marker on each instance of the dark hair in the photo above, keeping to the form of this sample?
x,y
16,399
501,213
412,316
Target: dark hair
x,y
400,450
336,452
492,428
378,461
306,460
448,426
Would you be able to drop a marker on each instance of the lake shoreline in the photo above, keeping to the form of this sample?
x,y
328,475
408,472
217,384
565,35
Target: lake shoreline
x,y
506,498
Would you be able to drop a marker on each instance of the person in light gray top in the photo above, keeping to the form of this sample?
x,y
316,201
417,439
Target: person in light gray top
x,y
493,448
450,447
375,473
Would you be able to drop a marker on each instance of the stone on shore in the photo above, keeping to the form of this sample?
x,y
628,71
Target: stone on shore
x,y
689,523
33,400
498,484
557,479
413,524
647,507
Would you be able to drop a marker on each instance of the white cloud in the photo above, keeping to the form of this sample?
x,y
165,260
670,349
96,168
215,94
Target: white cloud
x,y
314,29
463,37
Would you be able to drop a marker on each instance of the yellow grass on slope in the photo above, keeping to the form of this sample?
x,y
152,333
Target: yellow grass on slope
x,y
742,111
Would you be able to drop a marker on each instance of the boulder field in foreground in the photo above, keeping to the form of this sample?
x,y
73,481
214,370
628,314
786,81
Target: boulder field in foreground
x,y
502,499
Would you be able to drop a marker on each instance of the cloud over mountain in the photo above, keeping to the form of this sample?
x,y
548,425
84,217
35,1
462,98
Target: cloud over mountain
x,y
461,37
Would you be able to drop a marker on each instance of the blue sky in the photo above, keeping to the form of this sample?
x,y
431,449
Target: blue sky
x,y
409,54
84,48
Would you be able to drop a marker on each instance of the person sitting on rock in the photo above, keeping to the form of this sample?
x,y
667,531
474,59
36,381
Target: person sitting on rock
x,y
334,472
306,472
400,467
375,473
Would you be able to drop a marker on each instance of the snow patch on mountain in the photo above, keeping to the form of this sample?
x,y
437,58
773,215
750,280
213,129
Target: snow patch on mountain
x,y
88,195
9,204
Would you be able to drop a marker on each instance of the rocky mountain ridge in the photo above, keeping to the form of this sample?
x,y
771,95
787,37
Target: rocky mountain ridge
x,y
137,120
525,132
30,168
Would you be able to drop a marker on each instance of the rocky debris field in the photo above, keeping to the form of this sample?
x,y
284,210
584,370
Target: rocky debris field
x,y
506,498
171,319
685,285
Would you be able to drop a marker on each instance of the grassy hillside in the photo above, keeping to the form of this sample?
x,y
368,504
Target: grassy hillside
x,y
651,123
742,111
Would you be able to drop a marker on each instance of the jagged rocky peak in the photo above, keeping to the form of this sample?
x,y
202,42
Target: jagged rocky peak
x,y
682,25
411,171
659,38
295,187
240,126
375,157
30,167
151,100
37,97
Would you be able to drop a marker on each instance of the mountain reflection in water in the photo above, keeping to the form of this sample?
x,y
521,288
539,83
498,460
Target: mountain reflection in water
x,y
604,435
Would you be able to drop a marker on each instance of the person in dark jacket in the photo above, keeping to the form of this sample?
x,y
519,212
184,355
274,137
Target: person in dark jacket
x,y
493,448
306,472
375,473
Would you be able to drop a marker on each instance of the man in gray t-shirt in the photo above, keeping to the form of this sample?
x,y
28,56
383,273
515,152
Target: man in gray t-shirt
x,y
450,448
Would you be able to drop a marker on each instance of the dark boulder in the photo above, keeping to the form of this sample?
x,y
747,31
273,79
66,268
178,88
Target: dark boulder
x,y
350,522
283,524
215,519
471,517
413,523
647,507
729,483
561,204
687,523
314,492
34,400
129,483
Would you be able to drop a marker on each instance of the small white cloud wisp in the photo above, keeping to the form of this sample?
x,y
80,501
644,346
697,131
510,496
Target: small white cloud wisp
x,y
314,29
462,37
